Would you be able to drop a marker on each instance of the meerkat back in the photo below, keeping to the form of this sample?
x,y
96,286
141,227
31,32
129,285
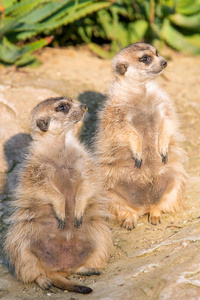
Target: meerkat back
x,y
138,141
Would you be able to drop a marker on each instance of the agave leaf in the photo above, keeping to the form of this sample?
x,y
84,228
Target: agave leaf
x,y
189,22
83,35
106,22
22,7
188,7
27,59
36,45
73,7
24,35
137,30
194,39
8,3
100,52
176,40
41,13
68,18
120,10
9,53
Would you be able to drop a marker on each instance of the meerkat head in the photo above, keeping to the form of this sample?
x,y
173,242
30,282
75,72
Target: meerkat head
x,y
139,61
56,115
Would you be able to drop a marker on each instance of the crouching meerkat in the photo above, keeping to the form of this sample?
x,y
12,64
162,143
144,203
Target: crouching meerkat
x,y
57,227
138,140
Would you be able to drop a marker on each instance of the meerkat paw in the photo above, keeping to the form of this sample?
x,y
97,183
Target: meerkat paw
x,y
88,271
154,217
164,154
61,222
130,222
78,221
44,282
138,160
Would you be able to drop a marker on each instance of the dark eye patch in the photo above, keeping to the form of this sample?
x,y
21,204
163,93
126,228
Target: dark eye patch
x,y
63,107
157,53
146,59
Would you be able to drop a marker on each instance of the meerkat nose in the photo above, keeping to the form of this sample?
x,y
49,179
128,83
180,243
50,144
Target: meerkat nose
x,y
84,107
163,64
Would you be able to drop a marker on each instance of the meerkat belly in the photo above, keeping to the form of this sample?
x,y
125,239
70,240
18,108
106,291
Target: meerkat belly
x,y
145,190
146,185
53,246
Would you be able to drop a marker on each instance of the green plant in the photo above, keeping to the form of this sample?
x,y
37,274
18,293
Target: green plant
x,y
28,25
22,20
174,22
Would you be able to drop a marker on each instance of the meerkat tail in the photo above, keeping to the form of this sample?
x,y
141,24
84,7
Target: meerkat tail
x,y
65,284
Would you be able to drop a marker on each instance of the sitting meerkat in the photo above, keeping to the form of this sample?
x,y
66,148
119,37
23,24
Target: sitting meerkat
x,y
138,140
57,226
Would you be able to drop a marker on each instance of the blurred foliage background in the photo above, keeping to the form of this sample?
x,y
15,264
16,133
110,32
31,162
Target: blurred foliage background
x,y
106,26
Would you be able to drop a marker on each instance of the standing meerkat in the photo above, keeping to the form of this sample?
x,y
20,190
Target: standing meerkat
x,y
57,227
138,140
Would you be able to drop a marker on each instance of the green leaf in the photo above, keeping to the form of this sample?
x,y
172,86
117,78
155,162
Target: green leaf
x,y
137,30
176,40
189,22
188,7
41,13
27,59
100,52
194,39
8,3
22,7
68,18
9,53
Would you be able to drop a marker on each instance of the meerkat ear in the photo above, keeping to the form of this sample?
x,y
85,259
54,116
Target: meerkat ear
x,y
43,123
121,67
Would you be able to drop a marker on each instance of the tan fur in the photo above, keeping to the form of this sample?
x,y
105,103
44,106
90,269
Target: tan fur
x,y
57,226
138,140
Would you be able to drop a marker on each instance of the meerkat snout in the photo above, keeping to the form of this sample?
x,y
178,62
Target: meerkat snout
x,y
84,107
163,64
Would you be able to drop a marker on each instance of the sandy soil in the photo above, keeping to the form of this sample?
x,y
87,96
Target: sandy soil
x,y
150,262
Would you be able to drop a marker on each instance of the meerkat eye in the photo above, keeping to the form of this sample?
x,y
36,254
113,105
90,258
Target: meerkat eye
x,y
145,59
63,107
157,53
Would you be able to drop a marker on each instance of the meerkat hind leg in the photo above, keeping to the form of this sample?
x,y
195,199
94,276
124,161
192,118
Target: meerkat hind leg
x,y
123,212
169,202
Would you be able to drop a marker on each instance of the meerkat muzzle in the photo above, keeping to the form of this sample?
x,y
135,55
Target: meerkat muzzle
x,y
84,107
163,64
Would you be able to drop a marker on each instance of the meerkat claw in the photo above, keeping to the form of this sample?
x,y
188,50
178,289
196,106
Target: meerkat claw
x,y
164,158
138,163
61,223
78,222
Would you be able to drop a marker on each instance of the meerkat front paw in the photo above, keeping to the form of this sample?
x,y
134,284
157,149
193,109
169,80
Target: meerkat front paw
x,y
138,160
164,155
61,223
78,221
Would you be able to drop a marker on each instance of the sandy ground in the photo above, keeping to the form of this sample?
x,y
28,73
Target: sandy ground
x,y
150,262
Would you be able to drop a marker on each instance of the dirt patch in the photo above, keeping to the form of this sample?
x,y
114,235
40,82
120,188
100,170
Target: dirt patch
x,y
150,262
